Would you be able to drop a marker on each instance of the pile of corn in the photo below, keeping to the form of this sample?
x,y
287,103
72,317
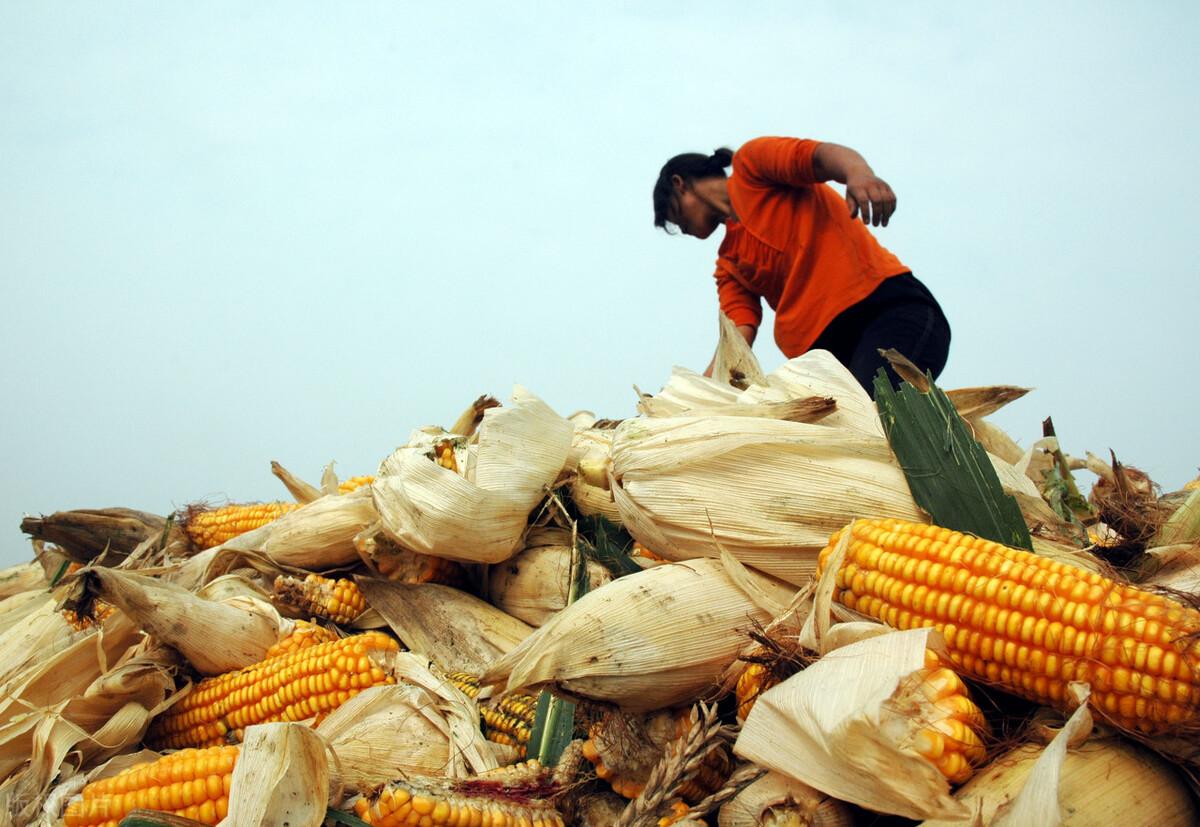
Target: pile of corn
x,y
704,691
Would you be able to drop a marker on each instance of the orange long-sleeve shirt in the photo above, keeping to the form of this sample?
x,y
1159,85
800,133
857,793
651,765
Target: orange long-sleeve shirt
x,y
794,244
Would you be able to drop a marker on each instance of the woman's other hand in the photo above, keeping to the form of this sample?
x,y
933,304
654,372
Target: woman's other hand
x,y
870,197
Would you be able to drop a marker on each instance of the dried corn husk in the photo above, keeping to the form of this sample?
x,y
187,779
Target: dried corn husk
x,y
320,535
1103,780
645,641
1174,567
23,578
845,742
281,778
422,725
534,584
778,801
1183,526
38,630
734,363
770,492
479,515
456,630
214,637
301,491
589,488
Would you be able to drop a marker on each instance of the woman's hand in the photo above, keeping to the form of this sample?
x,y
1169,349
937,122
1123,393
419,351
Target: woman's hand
x,y
870,196
867,195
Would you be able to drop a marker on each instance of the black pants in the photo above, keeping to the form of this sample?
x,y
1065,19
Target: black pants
x,y
900,314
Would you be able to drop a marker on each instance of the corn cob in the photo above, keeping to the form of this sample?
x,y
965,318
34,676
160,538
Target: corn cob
x,y
193,783
208,527
100,612
291,687
640,550
506,720
510,797
303,636
444,452
625,758
337,600
1027,623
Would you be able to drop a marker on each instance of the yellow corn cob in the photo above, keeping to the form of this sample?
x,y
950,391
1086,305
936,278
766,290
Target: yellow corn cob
x,y
100,613
210,527
193,783
510,797
303,636
640,550
952,740
444,452
505,720
1027,623
337,600
291,687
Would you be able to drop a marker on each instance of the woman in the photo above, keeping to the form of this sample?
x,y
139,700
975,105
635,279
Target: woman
x,y
791,239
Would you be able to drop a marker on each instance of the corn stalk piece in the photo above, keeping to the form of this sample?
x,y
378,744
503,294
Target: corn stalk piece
x,y
1029,624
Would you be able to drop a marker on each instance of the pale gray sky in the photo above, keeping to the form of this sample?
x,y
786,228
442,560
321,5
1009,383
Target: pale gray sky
x,y
238,232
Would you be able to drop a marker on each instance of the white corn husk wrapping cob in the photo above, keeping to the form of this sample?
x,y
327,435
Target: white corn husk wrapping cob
x,y
534,584
478,515
646,641
776,799
281,779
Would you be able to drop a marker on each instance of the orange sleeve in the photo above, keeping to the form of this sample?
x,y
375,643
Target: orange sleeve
x,y
786,161
739,304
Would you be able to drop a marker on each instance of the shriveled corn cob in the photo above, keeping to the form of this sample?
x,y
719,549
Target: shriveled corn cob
x,y
210,527
337,600
505,720
1027,623
193,783
303,636
625,761
291,687
100,613
510,797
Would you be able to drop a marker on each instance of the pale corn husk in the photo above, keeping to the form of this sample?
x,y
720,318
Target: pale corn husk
x,y
1174,567
230,586
589,488
281,778
320,535
849,743
778,801
534,584
214,637
94,698
645,641
1104,780
22,578
1183,526
301,491
770,492
37,630
734,363
385,732
480,514
456,630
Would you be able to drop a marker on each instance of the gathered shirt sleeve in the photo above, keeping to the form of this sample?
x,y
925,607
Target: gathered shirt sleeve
x,y
742,306
774,161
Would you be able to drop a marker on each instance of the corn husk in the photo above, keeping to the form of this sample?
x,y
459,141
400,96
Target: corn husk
x,y
37,630
320,535
1183,526
456,630
778,801
422,725
853,743
301,491
94,698
645,641
1103,780
479,515
23,578
281,778
770,492
534,584
214,637
589,487
1174,567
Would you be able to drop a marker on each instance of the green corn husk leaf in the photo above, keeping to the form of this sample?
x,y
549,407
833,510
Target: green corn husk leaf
x,y
610,545
343,817
948,472
153,818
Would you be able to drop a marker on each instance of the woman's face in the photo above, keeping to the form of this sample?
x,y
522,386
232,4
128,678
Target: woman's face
x,y
693,214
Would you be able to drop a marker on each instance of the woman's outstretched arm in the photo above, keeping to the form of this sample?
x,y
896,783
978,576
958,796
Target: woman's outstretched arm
x,y
867,194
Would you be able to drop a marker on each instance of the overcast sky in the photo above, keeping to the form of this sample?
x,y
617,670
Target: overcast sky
x,y
238,232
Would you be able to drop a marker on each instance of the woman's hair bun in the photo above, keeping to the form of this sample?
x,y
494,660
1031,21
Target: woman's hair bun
x,y
722,157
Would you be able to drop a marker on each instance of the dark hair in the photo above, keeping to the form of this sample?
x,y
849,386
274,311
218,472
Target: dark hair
x,y
689,166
